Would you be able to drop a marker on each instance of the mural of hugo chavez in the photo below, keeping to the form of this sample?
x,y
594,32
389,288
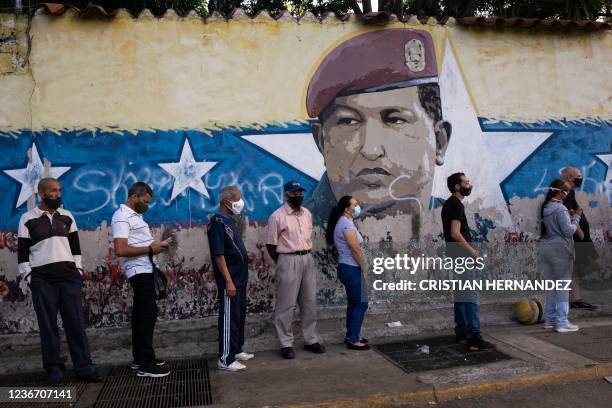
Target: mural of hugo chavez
x,y
380,127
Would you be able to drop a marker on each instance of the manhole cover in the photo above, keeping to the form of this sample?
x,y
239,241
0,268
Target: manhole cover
x,y
443,353
187,385
591,342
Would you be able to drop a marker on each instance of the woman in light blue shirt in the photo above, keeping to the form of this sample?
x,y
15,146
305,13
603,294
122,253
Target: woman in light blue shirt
x,y
352,267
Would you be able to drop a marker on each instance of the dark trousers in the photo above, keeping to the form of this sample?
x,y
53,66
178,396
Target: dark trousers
x,y
467,320
357,302
144,316
67,297
232,314
243,307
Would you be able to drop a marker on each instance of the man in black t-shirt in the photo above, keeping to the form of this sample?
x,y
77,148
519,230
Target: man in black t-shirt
x,y
458,238
586,255
230,265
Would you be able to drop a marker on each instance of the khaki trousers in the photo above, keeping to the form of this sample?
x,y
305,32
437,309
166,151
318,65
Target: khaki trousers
x,y
296,279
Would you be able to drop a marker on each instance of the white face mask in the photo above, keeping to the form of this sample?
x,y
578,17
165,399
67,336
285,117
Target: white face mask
x,y
237,206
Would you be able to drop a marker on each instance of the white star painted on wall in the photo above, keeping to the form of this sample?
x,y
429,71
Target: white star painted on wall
x,y
607,159
187,172
32,174
299,150
487,158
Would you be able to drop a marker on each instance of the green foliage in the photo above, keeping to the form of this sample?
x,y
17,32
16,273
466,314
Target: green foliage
x,y
298,7
567,9
157,7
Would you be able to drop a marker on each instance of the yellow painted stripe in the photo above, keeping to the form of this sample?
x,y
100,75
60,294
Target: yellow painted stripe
x,y
438,394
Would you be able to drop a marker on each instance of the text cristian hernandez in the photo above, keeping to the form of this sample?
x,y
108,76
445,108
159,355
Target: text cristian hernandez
x,y
459,285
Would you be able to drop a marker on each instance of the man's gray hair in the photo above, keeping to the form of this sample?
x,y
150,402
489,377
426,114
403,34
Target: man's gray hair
x,y
227,193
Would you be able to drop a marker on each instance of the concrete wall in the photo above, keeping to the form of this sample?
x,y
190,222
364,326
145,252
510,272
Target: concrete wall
x,y
189,106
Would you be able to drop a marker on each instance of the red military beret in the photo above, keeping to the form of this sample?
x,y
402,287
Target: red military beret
x,y
372,62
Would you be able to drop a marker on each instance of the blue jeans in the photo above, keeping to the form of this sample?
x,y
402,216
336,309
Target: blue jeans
x,y
467,320
556,312
351,278
556,263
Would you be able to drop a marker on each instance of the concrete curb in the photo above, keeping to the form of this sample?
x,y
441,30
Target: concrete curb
x,y
441,394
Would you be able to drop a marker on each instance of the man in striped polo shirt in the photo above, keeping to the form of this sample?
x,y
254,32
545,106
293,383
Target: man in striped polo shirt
x,y
49,257
135,246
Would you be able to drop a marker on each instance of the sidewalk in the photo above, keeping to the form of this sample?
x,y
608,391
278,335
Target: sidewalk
x,y
345,378
341,377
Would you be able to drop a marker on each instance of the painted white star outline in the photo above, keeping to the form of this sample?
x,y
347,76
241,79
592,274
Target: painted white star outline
x,y
607,160
32,174
187,172
487,158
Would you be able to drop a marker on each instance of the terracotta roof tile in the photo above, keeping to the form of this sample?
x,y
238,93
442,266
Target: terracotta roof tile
x,y
368,18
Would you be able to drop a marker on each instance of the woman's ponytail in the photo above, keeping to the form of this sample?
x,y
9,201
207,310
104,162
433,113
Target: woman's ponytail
x,y
334,216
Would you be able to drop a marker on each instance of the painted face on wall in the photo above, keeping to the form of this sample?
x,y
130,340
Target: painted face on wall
x,y
382,148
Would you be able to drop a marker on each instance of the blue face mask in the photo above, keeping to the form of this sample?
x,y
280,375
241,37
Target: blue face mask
x,y
357,212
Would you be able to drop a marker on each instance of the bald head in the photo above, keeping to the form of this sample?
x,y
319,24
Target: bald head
x,y
50,192
47,183
570,171
572,176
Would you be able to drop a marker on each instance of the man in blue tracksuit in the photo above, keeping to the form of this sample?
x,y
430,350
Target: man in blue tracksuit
x,y
230,265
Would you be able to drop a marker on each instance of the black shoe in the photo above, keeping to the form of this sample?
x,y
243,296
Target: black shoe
x,y
316,348
364,340
159,363
91,378
352,346
460,339
287,352
154,372
479,344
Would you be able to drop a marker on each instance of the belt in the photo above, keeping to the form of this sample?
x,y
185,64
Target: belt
x,y
297,252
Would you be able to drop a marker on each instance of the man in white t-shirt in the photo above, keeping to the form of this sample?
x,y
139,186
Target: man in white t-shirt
x,y
133,245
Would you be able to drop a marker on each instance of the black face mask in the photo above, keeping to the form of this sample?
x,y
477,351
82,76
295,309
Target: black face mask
x,y
465,191
296,202
52,203
141,208
578,182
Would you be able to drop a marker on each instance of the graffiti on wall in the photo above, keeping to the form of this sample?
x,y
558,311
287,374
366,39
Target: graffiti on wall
x,y
97,167
388,123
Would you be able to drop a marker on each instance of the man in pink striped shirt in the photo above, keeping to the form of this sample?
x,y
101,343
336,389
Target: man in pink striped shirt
x,y
289,243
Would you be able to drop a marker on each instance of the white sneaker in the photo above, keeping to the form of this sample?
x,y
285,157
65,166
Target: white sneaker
x,y
244,356
548,325
566,328
235,366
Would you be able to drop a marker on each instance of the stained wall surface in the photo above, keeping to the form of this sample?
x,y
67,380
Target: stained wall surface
x,y
381,113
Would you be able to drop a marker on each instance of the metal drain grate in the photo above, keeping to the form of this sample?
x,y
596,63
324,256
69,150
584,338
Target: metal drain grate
x,y
443,353
39,380
187,385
